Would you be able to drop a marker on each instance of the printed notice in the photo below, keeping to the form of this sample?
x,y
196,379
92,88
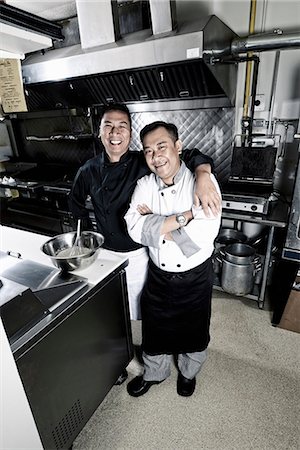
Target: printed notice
x,y
11,86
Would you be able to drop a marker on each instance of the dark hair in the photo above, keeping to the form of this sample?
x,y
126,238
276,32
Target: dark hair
x,y
170,127
115,107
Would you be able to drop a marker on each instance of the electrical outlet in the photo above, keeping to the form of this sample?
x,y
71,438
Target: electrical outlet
x,y
260,102
259,123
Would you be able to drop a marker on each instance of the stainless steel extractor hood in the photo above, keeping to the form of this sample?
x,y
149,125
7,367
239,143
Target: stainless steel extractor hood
x,y
139,67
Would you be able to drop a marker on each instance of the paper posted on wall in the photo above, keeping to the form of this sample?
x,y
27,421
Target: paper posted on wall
x,y
12,95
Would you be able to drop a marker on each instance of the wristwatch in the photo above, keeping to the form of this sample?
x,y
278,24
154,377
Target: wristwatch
x,y
181,219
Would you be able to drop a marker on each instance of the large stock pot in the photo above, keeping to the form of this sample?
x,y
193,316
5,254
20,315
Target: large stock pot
x,y
238,253
240,266
228,236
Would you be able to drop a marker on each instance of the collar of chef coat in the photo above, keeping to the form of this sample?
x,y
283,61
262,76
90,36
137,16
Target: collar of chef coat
x,y
176,179
123,158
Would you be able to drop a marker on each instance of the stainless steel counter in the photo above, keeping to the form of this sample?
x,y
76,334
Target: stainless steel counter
x,y
277,217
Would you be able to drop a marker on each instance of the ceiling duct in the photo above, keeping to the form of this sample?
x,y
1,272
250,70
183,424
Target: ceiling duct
x,y
278,40
265,42
163,16
98,23
147,65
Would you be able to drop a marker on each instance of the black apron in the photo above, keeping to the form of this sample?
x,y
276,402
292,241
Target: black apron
x,y
176,310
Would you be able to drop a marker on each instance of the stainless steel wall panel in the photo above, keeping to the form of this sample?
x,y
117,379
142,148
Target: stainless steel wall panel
x,y
209,130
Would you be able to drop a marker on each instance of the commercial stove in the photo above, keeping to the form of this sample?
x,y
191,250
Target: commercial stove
x,y
250,185
249,198
35,197
30,178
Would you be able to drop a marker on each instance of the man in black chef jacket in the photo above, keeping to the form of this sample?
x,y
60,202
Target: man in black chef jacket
x,y
110,178
176,298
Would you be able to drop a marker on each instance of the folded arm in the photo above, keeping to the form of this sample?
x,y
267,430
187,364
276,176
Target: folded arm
x,y
150,229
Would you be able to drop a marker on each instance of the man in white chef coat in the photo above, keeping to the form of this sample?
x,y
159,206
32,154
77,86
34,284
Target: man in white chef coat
x,y
176,299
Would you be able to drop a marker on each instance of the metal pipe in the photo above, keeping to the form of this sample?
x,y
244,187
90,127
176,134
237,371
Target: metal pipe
x,y
266,42
249,63
247,87
253,95
264,16
273,89
262,294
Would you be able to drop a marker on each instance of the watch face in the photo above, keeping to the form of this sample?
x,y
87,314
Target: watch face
x,y
180,218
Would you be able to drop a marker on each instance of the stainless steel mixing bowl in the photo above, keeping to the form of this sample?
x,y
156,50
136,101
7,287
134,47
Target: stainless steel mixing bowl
x,y
89,240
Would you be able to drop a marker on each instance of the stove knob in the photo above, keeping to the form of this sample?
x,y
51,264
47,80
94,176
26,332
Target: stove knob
x,y
254,207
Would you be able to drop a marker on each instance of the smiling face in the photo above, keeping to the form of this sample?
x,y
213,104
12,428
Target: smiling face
x,y
115,134
162,154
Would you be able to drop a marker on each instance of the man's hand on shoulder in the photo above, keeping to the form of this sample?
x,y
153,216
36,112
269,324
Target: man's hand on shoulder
x,y
205,191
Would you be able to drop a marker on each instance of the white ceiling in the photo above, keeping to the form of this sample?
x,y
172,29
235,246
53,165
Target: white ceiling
x,y
48,9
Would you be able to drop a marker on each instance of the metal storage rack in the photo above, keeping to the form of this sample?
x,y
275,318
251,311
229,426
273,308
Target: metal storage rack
x,y
276,218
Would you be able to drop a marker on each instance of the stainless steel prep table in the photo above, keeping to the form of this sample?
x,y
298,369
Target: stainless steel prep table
x,y
276,218
77,346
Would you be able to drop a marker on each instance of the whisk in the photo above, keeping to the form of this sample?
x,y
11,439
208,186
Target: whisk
x,y
77,248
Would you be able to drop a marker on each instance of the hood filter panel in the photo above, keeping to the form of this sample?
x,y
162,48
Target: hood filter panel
x,y
185,80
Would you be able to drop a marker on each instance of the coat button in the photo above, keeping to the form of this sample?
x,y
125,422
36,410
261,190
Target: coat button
x,y
163,241
178,265
173,191
163,265
162,194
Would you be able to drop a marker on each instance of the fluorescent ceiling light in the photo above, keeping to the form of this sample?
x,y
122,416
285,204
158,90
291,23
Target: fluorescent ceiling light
x,y
18,40
10,55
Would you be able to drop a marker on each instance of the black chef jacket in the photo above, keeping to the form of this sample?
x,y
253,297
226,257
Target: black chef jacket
x,y
110,186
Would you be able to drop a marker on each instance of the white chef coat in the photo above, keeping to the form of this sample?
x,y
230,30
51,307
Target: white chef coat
x,y
192,244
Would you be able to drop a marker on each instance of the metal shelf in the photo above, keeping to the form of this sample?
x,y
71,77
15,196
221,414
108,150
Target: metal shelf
x,y
60,137
254,295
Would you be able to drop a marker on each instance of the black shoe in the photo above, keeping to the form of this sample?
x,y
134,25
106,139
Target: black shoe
x,y
185,387
138,386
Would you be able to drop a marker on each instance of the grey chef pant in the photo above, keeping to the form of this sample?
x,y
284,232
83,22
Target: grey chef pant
x,y
158,367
